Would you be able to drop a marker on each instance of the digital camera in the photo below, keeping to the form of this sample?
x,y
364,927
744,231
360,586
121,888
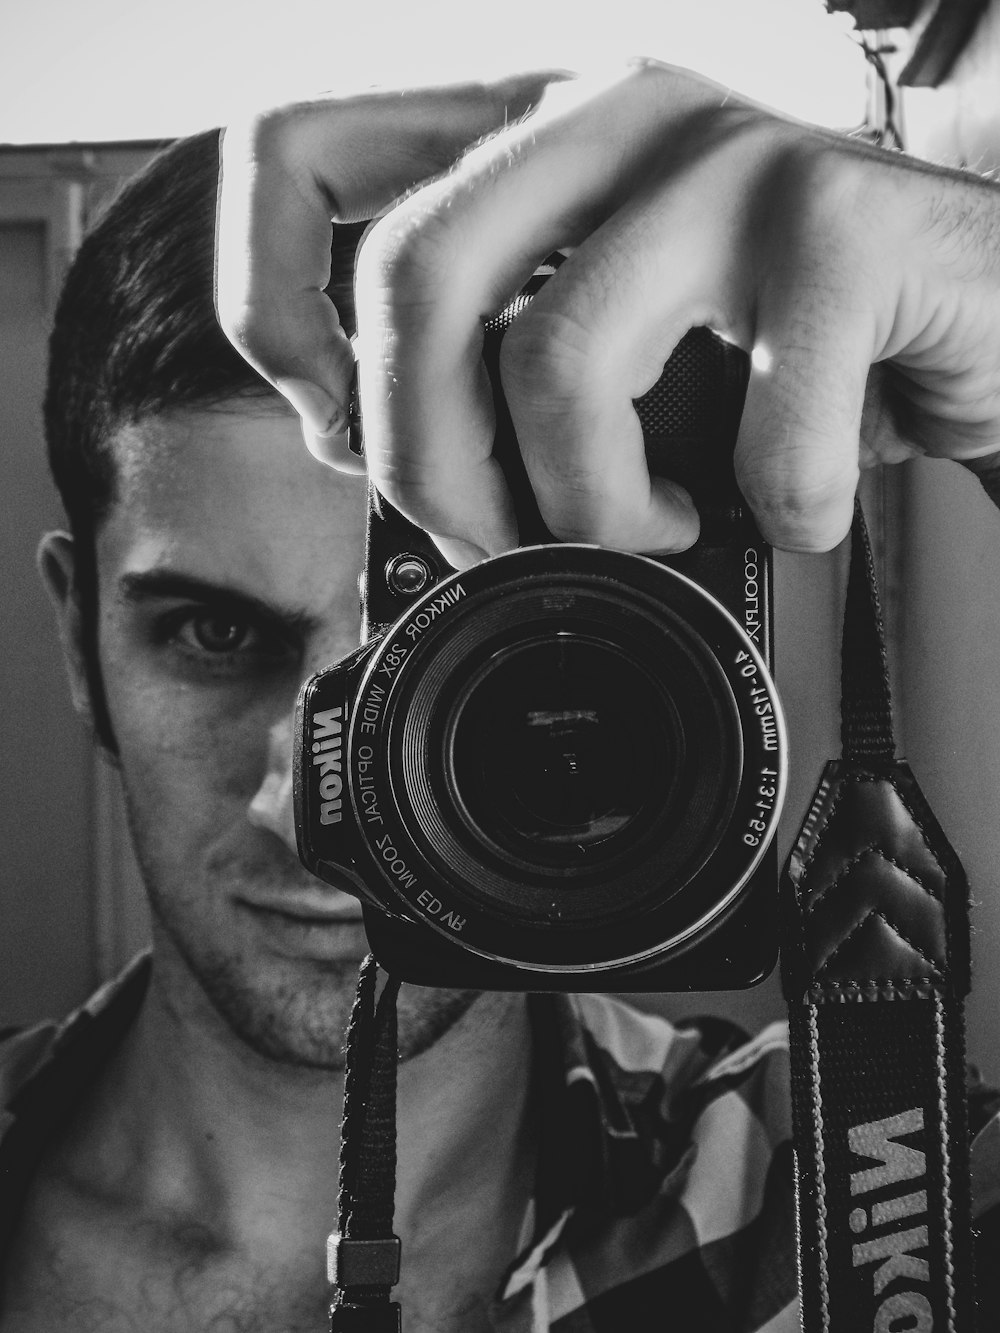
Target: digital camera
x,y
562,769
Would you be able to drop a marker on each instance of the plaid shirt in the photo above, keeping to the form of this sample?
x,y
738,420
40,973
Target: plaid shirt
x,y
666,1181
665,1186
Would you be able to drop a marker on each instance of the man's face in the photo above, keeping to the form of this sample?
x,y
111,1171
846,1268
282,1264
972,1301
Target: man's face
x,y
227,572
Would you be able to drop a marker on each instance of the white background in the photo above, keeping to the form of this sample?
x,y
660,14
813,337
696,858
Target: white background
x,y
127,69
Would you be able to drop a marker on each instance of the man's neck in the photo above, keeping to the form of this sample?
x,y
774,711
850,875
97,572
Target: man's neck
x,y
190,1122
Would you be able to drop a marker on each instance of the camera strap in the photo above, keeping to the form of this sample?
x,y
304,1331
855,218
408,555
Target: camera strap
x,y
363,1254
875,968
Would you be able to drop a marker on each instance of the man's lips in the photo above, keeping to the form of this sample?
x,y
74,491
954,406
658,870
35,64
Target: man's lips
x,y
310,907
307,925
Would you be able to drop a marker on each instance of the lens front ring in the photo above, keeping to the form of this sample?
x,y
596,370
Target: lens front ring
x,y
421,841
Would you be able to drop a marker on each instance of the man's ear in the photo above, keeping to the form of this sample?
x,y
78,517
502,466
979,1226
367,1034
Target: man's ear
x,y
56,561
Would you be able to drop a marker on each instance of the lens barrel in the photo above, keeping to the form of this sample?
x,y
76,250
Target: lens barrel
x,y
574,756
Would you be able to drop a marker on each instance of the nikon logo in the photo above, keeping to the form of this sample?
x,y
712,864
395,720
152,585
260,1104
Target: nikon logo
x,y
900,1168
328,760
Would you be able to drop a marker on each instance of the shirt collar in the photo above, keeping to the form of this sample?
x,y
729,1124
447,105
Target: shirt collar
x,y
45,1071
63,1057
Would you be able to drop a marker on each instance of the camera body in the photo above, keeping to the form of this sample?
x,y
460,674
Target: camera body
x,y
562,768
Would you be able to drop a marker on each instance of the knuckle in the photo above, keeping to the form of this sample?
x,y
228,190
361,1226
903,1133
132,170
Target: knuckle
x,y
553,367
274,131
648,73
286,146
658,81
548,360
263,337
798,505
244,321
827,192
409,257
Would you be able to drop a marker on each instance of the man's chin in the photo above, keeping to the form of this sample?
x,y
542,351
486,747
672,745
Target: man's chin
x,y
306,1027
291,1011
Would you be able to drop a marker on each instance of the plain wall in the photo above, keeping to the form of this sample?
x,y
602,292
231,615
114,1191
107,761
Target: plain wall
x,y
45,757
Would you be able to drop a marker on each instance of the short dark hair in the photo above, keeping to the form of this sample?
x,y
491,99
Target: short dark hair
x,y
135,335
135,332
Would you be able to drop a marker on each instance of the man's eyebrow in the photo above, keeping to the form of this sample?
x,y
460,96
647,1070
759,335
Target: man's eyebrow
x,y
149,585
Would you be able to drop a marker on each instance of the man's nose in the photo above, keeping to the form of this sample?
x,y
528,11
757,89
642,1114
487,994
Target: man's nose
x,y
272,807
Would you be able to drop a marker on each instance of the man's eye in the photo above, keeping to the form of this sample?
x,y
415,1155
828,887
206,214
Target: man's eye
x,y
223,641
215,633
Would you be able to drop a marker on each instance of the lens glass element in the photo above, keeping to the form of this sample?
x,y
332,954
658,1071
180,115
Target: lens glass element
x,y
561,746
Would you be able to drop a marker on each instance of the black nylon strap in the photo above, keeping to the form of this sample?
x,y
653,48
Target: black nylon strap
x,y
363,1254
883,1183
875,965
866,702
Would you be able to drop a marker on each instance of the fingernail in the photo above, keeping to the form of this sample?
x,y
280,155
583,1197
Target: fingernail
x,y
320,414
335,451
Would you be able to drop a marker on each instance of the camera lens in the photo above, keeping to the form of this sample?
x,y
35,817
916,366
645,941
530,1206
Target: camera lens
x,y
570,755
561,747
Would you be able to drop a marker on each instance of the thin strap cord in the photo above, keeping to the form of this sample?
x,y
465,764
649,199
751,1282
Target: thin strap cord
x,y
866,701
364,1251
357,1076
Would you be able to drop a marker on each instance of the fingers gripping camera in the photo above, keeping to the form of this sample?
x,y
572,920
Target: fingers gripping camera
x,y
562,768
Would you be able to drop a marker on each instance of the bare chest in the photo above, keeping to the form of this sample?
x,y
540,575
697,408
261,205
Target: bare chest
x,y
119,1298
116,1276
123,1277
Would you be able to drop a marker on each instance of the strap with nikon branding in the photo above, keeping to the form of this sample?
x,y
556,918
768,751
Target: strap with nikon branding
x,y
875,967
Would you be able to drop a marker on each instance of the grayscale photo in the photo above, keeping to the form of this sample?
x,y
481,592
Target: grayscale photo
x,y
501,667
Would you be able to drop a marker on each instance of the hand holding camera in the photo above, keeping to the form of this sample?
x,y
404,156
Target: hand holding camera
x,y
684,206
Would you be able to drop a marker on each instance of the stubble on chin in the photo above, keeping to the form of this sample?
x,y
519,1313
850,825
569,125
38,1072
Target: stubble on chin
x,y
296,1014
306,1027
